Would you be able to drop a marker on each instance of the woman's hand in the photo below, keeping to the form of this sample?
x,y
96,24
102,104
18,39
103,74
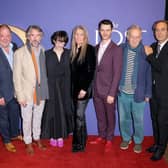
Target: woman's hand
x,y
81,94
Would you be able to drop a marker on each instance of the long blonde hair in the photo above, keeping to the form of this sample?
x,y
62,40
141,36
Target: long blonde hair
x,y
74,45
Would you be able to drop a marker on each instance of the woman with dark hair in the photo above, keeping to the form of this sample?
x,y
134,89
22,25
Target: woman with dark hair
x,y
82,68
57,117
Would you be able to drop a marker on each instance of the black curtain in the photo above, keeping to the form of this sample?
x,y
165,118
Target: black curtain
x,y
166,9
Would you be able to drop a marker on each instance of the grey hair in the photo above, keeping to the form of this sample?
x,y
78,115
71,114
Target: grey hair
x,y
34,27
134,26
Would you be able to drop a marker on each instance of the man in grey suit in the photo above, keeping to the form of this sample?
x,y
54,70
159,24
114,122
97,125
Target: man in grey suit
x,y
107,76
31,87
9,108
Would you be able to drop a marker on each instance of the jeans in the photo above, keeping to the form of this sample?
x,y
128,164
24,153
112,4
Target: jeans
x,y
131,113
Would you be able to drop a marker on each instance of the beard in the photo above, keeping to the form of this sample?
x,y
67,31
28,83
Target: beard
x,y
35,43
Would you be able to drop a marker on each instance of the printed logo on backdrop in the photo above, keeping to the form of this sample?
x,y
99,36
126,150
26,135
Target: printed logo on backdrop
x,y
117,35
20,33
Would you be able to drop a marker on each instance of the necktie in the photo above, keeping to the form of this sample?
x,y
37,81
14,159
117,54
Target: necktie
x,y
158,50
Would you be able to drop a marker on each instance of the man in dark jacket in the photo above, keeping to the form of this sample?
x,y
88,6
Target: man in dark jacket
x,y
159,101
9,108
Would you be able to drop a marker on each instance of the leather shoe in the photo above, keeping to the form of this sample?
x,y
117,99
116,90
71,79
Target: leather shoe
x,y
157,155
29,149
108,146
152,149
166,154
19,137
98,140
40,145
10,147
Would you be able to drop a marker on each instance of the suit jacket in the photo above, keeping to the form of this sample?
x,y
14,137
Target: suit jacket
x,y
108,72
24,75
160,71
83,73
6,77
143,79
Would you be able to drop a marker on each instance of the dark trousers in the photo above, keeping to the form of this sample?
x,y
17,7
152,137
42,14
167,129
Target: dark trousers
x,y
154,107
105,114
159,116
9,120
80,130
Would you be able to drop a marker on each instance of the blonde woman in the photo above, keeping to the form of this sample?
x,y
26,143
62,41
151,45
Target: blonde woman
x,y
82,66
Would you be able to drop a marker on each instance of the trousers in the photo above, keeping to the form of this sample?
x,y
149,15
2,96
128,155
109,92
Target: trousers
x,y
32,116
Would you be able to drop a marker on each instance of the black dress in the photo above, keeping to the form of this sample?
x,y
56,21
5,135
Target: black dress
x,y
57,119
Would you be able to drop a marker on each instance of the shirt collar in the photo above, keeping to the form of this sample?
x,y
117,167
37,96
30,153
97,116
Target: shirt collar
x,y
104,45
162,44
10,46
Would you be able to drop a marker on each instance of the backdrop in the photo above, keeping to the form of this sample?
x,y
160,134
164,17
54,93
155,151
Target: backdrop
x,y
54,15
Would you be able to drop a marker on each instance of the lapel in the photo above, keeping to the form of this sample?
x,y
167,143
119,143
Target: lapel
x,y
28,56
163,50
97,49
107,51
4,59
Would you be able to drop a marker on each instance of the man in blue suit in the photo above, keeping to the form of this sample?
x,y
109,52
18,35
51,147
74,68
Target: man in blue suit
x,y
9,108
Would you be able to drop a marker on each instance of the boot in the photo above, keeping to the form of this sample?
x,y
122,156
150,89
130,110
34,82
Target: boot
x,y
77,142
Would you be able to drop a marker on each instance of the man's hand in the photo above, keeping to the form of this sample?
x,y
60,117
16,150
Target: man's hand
x,y
2,101
23,103
148,50
146,99
110,99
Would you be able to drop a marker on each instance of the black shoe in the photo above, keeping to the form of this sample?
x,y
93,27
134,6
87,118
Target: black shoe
x,y
152,149
78,148
157,155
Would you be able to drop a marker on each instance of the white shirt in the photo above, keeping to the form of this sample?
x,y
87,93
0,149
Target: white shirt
x,y
102,49
9,55
162,44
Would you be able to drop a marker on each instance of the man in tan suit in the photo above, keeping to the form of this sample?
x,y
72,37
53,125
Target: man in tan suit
x,y
31,87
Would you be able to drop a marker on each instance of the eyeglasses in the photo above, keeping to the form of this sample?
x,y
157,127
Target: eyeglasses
x,y
61,41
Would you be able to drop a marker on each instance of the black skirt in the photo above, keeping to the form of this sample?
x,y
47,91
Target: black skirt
x,y
57,119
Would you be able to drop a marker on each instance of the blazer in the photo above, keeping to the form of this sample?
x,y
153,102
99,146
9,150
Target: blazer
x,y
83,73
160,71
24,76
108,72
143,83
6,77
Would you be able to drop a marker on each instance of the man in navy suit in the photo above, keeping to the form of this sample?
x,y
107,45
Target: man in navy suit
x,y
107,76
159,100
9,108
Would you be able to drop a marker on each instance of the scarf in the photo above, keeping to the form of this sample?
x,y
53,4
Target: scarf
x,y
138,50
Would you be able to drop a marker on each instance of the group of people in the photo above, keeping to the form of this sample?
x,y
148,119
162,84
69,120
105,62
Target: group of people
x,y
52,88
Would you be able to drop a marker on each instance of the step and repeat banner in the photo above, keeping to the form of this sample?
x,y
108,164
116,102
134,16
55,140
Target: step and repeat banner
x,y
53,15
